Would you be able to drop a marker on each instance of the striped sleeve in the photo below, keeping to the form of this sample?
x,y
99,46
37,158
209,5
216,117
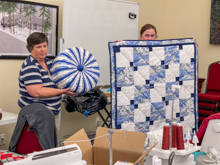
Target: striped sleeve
x,y
30,74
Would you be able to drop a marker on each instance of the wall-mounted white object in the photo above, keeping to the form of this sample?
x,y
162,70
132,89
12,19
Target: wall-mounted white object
x,y
91,24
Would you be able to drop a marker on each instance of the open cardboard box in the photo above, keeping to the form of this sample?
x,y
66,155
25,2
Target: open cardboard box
x,y
127,146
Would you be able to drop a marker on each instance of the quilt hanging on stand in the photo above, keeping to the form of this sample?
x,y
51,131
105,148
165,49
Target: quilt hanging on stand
x,y
149,79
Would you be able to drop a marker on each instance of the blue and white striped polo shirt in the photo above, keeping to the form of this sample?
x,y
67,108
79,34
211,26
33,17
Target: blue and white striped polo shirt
x,y
33,73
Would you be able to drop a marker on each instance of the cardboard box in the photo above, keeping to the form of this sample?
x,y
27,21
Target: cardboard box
x,y
127,146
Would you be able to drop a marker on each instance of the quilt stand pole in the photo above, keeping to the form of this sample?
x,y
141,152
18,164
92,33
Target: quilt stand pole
x,y
110,131
171,120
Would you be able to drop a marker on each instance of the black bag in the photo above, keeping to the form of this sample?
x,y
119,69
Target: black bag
x,y
88,103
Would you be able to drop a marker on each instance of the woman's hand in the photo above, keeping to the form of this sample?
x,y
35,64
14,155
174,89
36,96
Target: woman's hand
x,y
196,43
68,92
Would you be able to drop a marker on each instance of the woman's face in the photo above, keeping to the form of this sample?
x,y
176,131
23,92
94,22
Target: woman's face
x,y
39,51
148,34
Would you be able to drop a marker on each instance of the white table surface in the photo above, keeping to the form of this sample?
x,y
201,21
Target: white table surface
x,y
200,161
8,118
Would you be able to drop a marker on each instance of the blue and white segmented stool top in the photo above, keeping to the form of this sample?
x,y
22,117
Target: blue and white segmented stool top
x,y
75,68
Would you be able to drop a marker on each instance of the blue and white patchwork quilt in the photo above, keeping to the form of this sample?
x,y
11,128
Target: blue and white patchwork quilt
x,y
149,79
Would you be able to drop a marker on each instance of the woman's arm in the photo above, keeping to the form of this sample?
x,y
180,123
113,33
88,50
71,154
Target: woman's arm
x,y
37,90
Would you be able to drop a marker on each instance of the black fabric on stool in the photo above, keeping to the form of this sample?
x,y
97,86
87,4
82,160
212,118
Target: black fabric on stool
x,y
88,104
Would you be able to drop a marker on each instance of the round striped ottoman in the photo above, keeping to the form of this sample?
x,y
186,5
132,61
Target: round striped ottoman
x,y
75,68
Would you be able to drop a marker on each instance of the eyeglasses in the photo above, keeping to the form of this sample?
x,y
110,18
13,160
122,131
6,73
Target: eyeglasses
x,y
150,35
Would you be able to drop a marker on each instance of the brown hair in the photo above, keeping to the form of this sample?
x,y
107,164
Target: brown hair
x,y
147,27
34,39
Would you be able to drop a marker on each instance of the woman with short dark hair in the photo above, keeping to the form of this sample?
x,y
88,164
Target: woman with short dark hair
x,y
34,39
35,81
